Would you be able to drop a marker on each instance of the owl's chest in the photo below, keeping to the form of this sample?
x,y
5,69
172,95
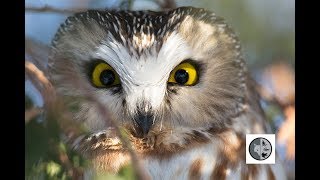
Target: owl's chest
x,y
207,163
212,160
196,163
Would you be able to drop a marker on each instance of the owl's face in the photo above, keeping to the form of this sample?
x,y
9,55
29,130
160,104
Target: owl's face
x,y
153,71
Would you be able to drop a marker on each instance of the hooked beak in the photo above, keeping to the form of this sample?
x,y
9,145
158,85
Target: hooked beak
x,y
144,122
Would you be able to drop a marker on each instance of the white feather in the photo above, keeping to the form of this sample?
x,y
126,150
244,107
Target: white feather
x,y
144,77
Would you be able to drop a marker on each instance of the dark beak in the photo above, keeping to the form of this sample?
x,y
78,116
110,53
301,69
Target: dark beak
x,y
144,122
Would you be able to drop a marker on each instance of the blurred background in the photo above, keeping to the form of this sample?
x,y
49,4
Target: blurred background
x,y
265,28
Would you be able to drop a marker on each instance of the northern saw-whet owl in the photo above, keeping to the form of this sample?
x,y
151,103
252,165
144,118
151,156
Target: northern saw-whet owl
x,y
176,81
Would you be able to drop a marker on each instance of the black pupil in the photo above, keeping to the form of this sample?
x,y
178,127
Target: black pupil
x,y
181,76
107,77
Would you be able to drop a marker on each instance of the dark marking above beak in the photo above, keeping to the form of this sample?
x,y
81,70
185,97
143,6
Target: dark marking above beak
x,y
144,122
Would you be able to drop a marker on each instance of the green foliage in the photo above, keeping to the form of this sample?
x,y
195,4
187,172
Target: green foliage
x,y
53,169
49,157
126,173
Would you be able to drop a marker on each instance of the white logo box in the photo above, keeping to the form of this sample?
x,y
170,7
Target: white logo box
x,y
271,138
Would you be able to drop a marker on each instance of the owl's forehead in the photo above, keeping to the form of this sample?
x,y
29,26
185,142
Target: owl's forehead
x,y
138,31
150,67
135,29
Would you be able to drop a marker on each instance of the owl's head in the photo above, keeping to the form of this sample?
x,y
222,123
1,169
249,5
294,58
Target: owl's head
x,y
154,71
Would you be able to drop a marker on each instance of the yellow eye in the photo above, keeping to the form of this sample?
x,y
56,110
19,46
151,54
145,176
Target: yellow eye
x,y
103,75
184,74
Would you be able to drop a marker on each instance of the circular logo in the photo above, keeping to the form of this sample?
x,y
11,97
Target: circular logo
x,y
260,149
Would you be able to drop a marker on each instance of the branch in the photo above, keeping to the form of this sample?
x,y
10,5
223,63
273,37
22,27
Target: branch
x,y
37,53
53,105
31,113
40,81
125,141
164,5
55,10
167,4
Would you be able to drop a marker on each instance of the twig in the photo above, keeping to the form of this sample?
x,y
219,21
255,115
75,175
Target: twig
x,y
37,53
38,78
53,105
73,172
55,10
31,113
126,5
166,4
104,112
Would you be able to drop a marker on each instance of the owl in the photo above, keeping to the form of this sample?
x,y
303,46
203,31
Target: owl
x,y
174,81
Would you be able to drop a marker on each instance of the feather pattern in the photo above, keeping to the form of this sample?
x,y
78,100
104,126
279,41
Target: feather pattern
x,y
198,131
